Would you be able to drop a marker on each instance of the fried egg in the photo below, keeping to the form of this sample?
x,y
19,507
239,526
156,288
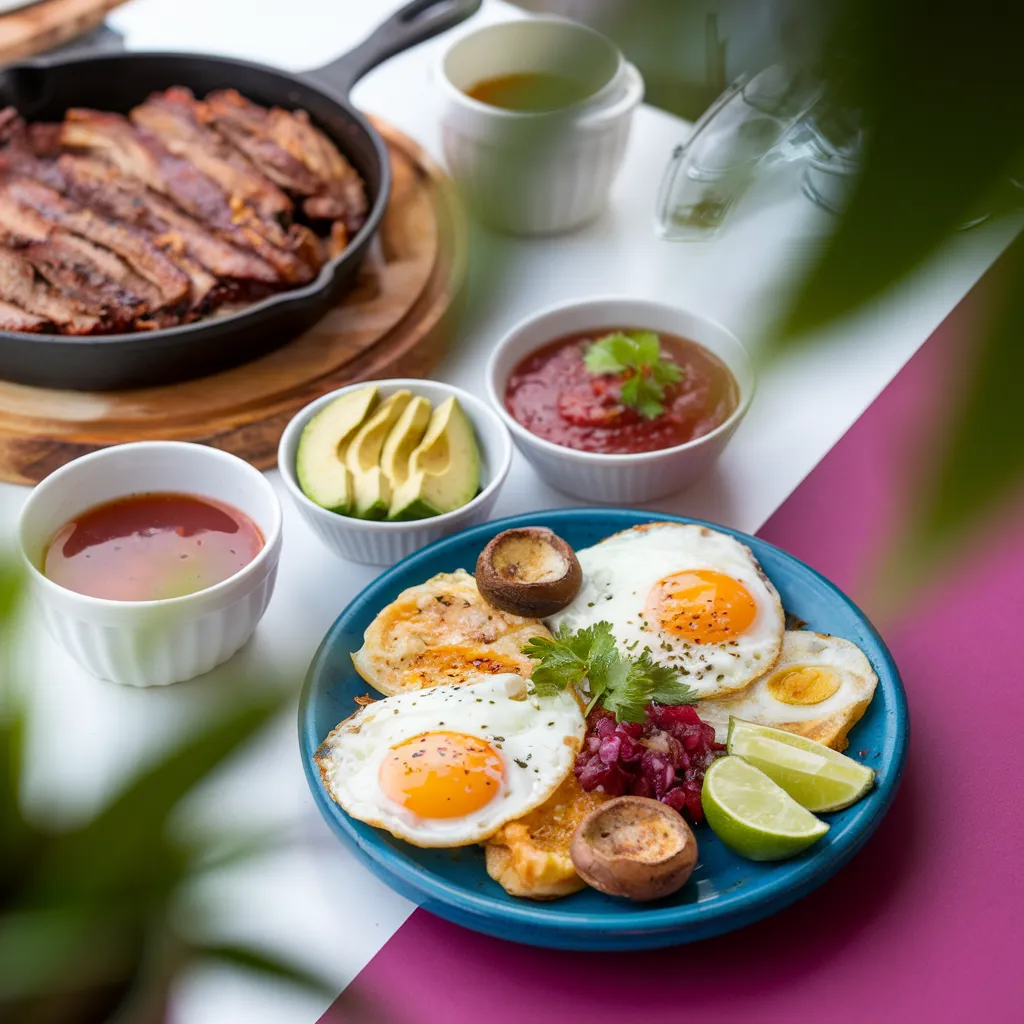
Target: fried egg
x,y
450,765
697,598
442,632
819,688
530,858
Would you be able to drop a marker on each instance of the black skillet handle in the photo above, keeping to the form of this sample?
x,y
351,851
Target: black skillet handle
x,y
414,23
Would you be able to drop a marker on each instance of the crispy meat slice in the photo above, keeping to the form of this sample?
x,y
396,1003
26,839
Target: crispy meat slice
x,y
19,285
172,116
247,126
13,318
104,188
100,283
11,123
139,153
43,139
204,290
344,195
170,285
19,225
292,152
95,279
18,158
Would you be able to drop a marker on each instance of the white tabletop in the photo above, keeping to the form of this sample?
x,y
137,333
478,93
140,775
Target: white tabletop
x,y
313,902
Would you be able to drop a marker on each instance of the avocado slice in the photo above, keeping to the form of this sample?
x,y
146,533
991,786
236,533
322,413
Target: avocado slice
x,y
444,469
320,458
403,439
371,486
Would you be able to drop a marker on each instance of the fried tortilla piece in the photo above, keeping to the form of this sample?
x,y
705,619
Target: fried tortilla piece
x,y
529,857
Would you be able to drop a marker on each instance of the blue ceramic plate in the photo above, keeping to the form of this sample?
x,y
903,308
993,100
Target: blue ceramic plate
x,y
725,891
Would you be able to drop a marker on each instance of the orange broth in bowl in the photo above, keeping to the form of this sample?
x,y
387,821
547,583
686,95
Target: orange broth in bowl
x,y
151,547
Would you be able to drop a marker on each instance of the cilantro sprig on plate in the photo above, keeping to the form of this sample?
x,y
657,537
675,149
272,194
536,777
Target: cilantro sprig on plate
x,y
637,356
622,684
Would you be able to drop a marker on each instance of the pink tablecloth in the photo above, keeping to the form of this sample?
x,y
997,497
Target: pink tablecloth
x,y
926,924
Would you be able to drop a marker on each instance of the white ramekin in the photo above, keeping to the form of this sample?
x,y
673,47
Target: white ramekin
x,y
535,174
619,479
152,643
383,543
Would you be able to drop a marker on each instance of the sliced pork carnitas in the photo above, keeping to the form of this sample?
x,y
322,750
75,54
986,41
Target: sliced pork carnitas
x,y
290,150
172,116
111,223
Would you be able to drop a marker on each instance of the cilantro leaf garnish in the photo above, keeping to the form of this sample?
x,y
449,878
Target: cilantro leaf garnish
x,y
635,356
622,684
569,658
664,683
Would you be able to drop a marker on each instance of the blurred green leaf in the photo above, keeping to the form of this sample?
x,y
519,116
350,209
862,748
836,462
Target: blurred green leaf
x,y
16,837
126,845
269,966
44,951
982,465
940,88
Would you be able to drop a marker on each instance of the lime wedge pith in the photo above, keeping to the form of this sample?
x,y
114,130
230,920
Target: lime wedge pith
x,y
753,816
819,778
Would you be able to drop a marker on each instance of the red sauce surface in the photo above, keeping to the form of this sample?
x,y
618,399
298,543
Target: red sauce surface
x,y
151,547
551,393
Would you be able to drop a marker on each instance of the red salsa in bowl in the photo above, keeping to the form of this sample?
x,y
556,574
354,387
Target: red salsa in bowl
x,y
621,392
151,547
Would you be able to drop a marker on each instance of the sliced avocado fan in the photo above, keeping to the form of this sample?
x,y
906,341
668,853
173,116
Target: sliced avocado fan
x,y
402,441
444,468
371,486
320,458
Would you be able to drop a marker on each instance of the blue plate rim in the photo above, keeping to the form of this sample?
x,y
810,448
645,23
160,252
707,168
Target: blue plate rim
x,y
802,875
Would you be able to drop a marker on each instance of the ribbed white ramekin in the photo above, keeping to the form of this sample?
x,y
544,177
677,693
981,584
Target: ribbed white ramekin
x,y
383,543
527,173
619,479
153,643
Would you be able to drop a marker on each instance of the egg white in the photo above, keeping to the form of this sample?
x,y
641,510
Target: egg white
x,y
829,720
537,738
619,573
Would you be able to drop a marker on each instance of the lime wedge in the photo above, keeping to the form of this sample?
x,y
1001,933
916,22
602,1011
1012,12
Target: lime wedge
x,y
753,816
814,775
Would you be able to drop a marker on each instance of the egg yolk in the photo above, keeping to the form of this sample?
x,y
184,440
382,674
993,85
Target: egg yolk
x,y
808,684
702,606
442,774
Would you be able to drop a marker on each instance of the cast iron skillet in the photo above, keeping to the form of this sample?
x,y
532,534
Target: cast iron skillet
x,y
44,89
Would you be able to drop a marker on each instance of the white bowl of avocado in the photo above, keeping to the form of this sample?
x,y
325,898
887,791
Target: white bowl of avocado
x,y
380,469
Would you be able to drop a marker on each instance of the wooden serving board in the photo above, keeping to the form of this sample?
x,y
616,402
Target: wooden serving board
x,y
45,26
394,323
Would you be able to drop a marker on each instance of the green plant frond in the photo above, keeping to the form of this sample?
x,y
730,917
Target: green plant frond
x,y
208,853
19,841
940,142
127,846
12,586
982,464
61,949
265,963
